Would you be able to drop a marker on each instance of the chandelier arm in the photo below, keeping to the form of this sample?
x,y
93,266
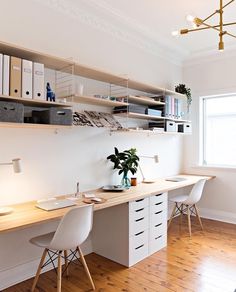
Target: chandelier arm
x,y
209,27
217,29
217,11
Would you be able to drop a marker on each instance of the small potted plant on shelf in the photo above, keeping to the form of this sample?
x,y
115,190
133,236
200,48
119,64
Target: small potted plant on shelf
x,y
181,88
125,162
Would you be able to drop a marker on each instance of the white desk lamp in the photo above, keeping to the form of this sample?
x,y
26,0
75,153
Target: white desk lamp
x,y
156,159
17,169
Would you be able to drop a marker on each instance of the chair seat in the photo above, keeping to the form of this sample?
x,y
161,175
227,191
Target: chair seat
x,y
179,199
43,240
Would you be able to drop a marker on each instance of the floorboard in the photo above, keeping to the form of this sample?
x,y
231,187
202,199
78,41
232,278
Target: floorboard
x,y
204,263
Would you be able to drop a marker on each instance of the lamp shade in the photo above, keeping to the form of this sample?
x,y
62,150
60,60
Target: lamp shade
x,y
16,165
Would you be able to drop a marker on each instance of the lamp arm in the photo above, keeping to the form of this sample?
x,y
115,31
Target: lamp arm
x,y
141,172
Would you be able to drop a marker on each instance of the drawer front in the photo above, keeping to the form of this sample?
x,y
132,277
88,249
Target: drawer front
x,y
158,198
138,204
138,225
138,253
157,230
157,244
161,206
138,214
138,239
157,218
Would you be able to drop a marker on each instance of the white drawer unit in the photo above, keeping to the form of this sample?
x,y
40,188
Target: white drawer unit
x,y
130,232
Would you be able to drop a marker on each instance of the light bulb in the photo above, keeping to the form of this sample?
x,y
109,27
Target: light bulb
x,y
190,18
175,33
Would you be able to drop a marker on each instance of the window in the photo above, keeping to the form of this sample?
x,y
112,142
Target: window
x,y
219,131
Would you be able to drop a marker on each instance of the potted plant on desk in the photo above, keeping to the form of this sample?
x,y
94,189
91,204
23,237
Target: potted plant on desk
x,y
125,161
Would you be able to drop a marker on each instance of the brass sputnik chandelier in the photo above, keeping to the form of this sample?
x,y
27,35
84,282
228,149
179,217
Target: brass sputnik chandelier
x,y
201,24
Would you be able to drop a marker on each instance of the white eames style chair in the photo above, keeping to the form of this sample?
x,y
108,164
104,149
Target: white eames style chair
x,y
72,231
187,203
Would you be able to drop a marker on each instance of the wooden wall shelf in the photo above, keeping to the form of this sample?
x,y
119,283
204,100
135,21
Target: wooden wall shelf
x,y
33,126
58,63
34,102
95,101
148,117
143,100
149,132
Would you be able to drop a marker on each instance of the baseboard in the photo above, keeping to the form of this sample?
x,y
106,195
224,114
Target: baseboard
x,y
27,270
218,215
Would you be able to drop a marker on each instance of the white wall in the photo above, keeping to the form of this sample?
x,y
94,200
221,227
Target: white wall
x,y
53,163
211,76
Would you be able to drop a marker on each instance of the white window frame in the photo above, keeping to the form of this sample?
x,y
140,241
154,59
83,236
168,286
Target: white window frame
x,y
202,132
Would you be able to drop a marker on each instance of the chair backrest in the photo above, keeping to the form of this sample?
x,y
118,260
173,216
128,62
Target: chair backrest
x,y
196,193
73,229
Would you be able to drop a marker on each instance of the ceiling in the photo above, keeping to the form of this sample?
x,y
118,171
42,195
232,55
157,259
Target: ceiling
x,y
158,18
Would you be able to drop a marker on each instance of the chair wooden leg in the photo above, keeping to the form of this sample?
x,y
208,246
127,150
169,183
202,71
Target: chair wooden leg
x,y
189,221
198,217
85,267
59,273
172,215
39,270
66,263
181,215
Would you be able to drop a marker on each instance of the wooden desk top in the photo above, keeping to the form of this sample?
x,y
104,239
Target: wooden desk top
x,y
26,214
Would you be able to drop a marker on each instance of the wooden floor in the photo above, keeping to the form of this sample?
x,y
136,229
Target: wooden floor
x,y
204,263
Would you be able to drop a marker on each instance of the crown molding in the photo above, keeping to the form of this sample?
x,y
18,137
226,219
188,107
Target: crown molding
x,y
100,16
210,55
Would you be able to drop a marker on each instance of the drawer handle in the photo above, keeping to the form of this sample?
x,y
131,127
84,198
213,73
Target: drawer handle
x,y
139,210
158,225
159,203
139,246
140,219
158,195
159,212
158,237
140,200
137,234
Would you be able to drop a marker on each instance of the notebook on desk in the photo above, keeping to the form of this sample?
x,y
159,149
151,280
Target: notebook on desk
x,y
55,204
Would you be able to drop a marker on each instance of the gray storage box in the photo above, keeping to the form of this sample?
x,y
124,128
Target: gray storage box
x,y
11,112
53,116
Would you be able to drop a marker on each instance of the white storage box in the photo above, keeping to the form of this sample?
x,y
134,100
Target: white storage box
x,y
171,126
185,128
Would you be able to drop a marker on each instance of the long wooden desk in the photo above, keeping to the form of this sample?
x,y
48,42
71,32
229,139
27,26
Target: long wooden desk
x,y
27,215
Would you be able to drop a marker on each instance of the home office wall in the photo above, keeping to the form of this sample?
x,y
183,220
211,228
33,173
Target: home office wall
x,y
212,75
53,162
